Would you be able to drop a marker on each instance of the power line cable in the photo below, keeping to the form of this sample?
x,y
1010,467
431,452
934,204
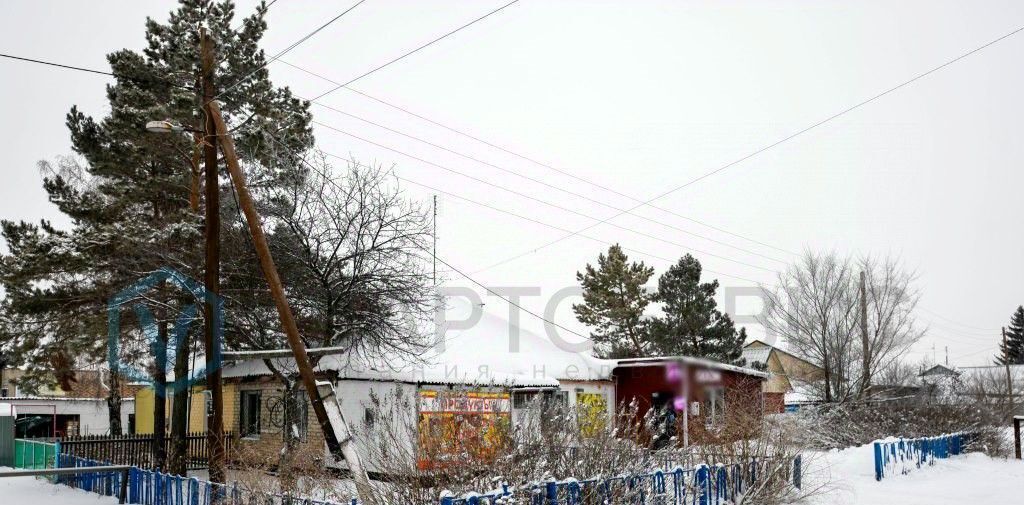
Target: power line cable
x,y
791,136
295,44
529,159
543,183
432,253
527,218
414,51
91,70
940,316
538,200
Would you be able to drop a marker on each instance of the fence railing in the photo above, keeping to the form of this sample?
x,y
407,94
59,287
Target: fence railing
x,y
702,485
34,454
137,450
902,456
146,487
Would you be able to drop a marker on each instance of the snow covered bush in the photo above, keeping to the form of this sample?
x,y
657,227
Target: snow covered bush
x,y
841,425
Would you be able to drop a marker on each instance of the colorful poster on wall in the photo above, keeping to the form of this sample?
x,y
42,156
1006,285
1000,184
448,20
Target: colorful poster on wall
x,y
459,425
592,412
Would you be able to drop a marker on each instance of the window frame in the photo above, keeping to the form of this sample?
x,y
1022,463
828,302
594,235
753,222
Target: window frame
x,y
245,413
716,409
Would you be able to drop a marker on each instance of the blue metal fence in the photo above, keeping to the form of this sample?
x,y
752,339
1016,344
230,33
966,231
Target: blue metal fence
x,y
703,485
904,455
147,487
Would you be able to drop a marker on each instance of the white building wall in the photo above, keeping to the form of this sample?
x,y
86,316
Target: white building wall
x,y
92,413
355,399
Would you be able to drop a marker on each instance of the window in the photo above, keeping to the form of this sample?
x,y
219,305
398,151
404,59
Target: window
x,y
249,413
715,406
5,393
369,417
549,397
301,413
131,424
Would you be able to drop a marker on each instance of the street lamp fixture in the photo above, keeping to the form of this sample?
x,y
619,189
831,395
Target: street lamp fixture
x,y
166,126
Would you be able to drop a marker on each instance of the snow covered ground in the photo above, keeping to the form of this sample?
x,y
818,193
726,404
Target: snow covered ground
x,y
971,478
30,490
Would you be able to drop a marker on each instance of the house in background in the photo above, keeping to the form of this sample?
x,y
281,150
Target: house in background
x,y
786,388
53,412
715,394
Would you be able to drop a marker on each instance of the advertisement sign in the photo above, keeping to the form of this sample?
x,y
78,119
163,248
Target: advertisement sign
x,y
461,425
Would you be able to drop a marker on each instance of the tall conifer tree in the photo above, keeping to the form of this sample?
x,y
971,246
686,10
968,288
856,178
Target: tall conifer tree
x,y
1012,352
614,300
132,196
691,324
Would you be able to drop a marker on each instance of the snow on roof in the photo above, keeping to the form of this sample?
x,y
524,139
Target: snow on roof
x,y
17,399
699,362
938,370
490,351
757,354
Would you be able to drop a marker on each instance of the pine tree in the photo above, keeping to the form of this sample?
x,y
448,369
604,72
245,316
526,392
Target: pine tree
x,y
691,324
614,300
132,196
1012,352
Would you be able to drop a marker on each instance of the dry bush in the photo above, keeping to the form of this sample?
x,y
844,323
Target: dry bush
x,y
261,479
552,441
836,426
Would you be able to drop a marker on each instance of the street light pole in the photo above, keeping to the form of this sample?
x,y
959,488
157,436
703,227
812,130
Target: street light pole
x,y
211,277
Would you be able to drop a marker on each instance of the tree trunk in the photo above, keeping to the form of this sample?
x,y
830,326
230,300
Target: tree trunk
x,y
828,375
177,461
160,392
114,403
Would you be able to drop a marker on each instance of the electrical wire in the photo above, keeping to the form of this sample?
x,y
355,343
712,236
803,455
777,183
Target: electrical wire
x,y
538,200
526,158
90,70
432,253
786,138
527,218
414,51
543,183
295,44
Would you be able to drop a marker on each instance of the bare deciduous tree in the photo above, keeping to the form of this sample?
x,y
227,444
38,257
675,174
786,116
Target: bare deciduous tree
x,y
349,249
816,309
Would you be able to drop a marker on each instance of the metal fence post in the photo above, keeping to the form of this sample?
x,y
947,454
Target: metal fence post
x,y
879,470
702,484
552,492
798,471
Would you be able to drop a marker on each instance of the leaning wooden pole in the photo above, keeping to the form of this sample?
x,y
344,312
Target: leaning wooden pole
x,y
339,448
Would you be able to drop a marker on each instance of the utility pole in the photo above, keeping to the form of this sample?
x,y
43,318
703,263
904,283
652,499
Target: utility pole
x,y
434,254
865,342
335,430
211,341
1009,376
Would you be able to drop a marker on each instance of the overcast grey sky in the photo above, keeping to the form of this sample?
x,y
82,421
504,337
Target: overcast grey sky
x,y
639,96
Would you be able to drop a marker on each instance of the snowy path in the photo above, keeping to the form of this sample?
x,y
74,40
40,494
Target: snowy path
x,y
32,491
971,478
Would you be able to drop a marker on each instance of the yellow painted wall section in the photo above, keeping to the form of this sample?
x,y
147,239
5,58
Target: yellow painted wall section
x,y
197,413
144,411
